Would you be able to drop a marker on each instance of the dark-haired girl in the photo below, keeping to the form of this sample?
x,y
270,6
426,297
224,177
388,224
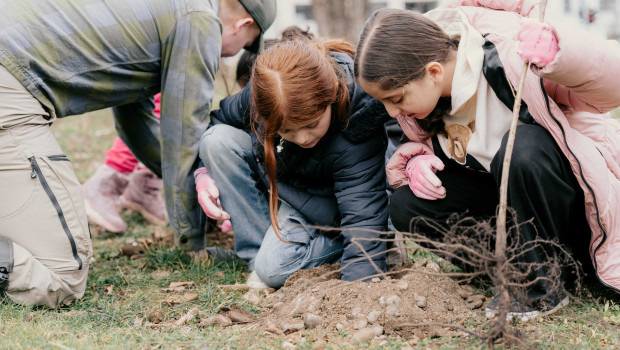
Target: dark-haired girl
x,y
449,77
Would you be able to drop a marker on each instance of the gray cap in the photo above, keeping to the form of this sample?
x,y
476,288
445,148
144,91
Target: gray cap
x,y
264,13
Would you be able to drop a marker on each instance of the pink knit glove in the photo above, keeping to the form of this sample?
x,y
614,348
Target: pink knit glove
x,y
423,182
537,42
208,195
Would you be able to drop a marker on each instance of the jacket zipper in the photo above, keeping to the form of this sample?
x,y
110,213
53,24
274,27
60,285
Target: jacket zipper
x,y
598,218
36,172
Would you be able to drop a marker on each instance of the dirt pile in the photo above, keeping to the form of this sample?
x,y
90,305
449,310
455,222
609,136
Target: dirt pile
x,y
318,300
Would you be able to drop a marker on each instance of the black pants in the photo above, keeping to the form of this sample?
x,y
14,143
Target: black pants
x,y
541,188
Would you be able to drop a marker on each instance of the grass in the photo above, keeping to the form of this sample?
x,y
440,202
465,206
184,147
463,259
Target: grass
x,y
122,293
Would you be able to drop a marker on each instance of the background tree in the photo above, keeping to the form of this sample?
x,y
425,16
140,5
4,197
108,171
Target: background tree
x,y
340,19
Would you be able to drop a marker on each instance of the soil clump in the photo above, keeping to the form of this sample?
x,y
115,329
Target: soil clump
x,y
318,301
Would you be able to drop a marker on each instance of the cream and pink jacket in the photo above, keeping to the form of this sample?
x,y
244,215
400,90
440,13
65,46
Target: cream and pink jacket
x,y
581,86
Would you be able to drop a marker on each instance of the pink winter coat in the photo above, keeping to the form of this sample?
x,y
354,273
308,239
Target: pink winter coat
x,y
583,84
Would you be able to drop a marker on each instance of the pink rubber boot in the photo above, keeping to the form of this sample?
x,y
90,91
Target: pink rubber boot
x,y
101,196
143,194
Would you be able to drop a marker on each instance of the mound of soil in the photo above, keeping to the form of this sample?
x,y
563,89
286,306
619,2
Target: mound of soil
x,y
318,300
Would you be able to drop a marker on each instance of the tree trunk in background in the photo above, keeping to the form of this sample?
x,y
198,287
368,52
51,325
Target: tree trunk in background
x,y
340,18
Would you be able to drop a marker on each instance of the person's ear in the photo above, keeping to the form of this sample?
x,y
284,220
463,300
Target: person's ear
x,y
434,71
243,22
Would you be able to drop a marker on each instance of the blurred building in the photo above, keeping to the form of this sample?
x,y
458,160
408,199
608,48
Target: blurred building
x,y
598,17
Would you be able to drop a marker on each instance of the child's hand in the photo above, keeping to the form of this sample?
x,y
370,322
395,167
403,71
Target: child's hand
x,y
538,43
208,195
423,182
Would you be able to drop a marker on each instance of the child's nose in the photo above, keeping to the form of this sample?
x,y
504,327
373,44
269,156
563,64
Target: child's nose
x,y
302,138
392,110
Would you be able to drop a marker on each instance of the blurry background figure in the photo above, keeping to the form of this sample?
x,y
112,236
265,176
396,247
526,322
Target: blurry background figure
x,y
244,65
122,182
295,33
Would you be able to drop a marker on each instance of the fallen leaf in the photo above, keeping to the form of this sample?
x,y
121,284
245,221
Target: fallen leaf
x,y
221,320
173,301
108,290
237,314
190,297
131,249
191,314
178,286
236,287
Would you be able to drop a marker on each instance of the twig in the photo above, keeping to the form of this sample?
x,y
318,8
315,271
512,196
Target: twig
x,y
122,274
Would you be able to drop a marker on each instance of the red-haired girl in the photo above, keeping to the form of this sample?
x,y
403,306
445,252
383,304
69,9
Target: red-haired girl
x,y
302,145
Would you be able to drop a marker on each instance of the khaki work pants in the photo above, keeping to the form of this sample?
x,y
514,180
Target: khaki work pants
x,y
42,209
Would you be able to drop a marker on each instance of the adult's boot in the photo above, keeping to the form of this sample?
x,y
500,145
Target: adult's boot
x,y
6,262
143,194
102,193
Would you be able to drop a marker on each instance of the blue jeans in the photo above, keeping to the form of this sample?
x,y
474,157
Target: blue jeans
x,y
229,159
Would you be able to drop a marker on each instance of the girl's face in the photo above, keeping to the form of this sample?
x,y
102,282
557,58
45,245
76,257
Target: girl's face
x,y
416,99
307,135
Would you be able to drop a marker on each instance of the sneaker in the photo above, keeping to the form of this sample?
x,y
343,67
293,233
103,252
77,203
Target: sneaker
x,y
101,197
524,313
216,253
221,253
143,194
254,282
6,262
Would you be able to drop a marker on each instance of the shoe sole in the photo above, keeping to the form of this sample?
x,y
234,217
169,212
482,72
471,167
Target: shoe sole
x,y
528,316
96,218
560,305
150,218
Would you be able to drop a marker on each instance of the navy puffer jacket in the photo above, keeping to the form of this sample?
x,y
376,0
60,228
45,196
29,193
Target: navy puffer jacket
x,y
338,183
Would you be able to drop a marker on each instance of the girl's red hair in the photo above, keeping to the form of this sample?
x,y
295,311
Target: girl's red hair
x,y
295,81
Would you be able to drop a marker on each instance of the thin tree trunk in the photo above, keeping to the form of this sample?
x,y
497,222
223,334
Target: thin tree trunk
x,y
340,19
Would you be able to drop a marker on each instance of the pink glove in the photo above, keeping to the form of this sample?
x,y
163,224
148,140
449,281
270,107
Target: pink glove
x,y
423,182
208,195
537,42
226,226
